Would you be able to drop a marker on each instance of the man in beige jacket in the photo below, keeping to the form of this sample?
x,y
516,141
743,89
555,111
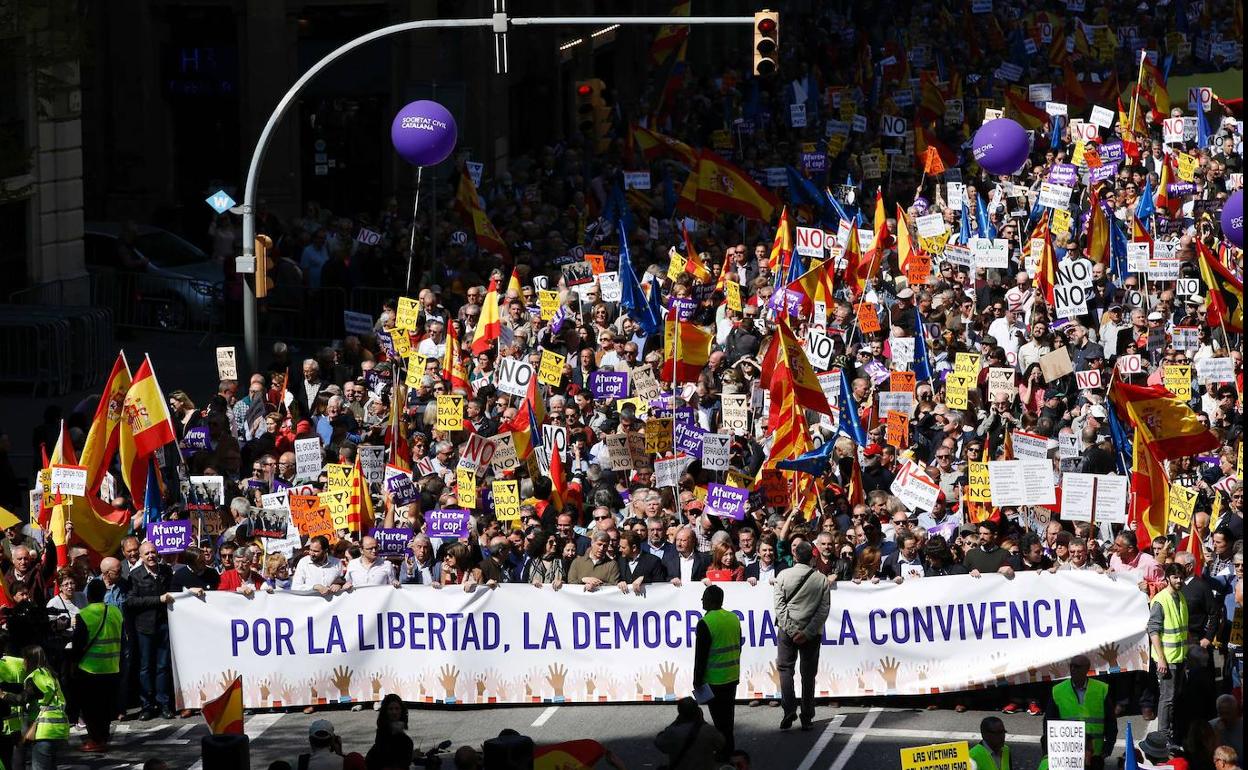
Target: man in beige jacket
x,y
803,600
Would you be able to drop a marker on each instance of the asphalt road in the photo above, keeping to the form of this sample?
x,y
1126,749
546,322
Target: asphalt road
x,y
844,738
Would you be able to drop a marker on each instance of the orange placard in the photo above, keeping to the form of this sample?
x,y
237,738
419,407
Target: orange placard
x,y
868,320
309,516
901,382
596,263
918,269
897,430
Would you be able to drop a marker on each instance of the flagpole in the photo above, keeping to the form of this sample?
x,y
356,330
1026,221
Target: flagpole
x,y
411,245
1135,94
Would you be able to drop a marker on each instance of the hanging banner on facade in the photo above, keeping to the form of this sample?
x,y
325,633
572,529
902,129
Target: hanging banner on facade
x,y
922,636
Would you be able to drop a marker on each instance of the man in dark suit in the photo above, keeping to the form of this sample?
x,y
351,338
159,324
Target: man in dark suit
x,y
307,388
636,566
147,609
658,546
691,564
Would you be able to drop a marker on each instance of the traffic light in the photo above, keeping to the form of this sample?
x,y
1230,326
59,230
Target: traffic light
x,y
264,266
593,116
766,42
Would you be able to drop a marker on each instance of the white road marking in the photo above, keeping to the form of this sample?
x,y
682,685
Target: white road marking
x,y
545,716
177,738
851,746
255,728
935,736
822,743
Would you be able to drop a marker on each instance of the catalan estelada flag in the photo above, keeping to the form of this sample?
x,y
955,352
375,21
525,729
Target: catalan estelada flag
x,y
723,187
581,754
224,714
1225,301
488,327
1167,426
469,203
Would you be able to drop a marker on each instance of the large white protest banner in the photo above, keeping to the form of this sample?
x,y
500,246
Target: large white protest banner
x,y
922,636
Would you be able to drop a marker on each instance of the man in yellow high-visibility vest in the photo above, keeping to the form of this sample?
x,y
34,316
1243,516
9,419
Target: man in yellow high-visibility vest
x,y
717,663
991,753
97,648
1084,699
1167,636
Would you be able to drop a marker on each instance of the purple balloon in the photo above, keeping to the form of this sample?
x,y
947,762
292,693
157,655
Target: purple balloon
x,y
1233,219
423,133
1001,146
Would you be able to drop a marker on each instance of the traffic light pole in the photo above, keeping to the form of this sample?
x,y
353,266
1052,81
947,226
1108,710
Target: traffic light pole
x,y
498,22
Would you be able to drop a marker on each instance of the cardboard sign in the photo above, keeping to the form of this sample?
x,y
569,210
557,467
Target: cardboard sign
x,y
1001,384
401,489
227,364
818,348
450,414
1067,744
1178,380
506,500
448,523
1089,496
1022,482
477,453
607,386
978,489
868,319
897,433
270,522
338,505
913,487
938,756
1088,380
514,376
69,480
550,370
406,314
466,488
716,451
1130,364
309,458
309,516
726,502
957,388
170,537
734,413
901,382
659,435
1182,506
1055,364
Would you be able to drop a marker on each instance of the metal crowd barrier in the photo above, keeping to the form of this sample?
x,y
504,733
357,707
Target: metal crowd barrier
x,y
57,349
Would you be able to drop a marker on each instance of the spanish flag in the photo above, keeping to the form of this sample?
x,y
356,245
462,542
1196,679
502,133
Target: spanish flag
x,y
360,513
96,524
687,202
905,247
1165,424
881,241
224,714
693,261
785,360
453,358
104,434
1149,506
558,486
1151,90
488,239
1226,292
514,289
1028,115
527,424
722,187
1163,199
1046,273
655,146
853,277
146,427
1098,230
815,285
488,327
781,246
669,36
931,97
582,754
686,349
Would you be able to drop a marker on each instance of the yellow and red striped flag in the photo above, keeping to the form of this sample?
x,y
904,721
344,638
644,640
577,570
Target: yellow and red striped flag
x,y
224,714
489,327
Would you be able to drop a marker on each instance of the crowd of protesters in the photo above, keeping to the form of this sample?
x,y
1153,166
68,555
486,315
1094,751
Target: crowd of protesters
x,y
617,530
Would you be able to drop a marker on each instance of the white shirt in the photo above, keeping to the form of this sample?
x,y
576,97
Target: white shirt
x,y
381,573
308,574
686,568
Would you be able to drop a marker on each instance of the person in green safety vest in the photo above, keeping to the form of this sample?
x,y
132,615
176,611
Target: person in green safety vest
x,y
991,753
1083,699
45,705
1167,636
97,679
717,664
12,679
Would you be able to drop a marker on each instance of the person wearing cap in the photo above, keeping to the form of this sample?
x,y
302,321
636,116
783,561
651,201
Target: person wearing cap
x,y
1156,749
1111,326
326,750
992,752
